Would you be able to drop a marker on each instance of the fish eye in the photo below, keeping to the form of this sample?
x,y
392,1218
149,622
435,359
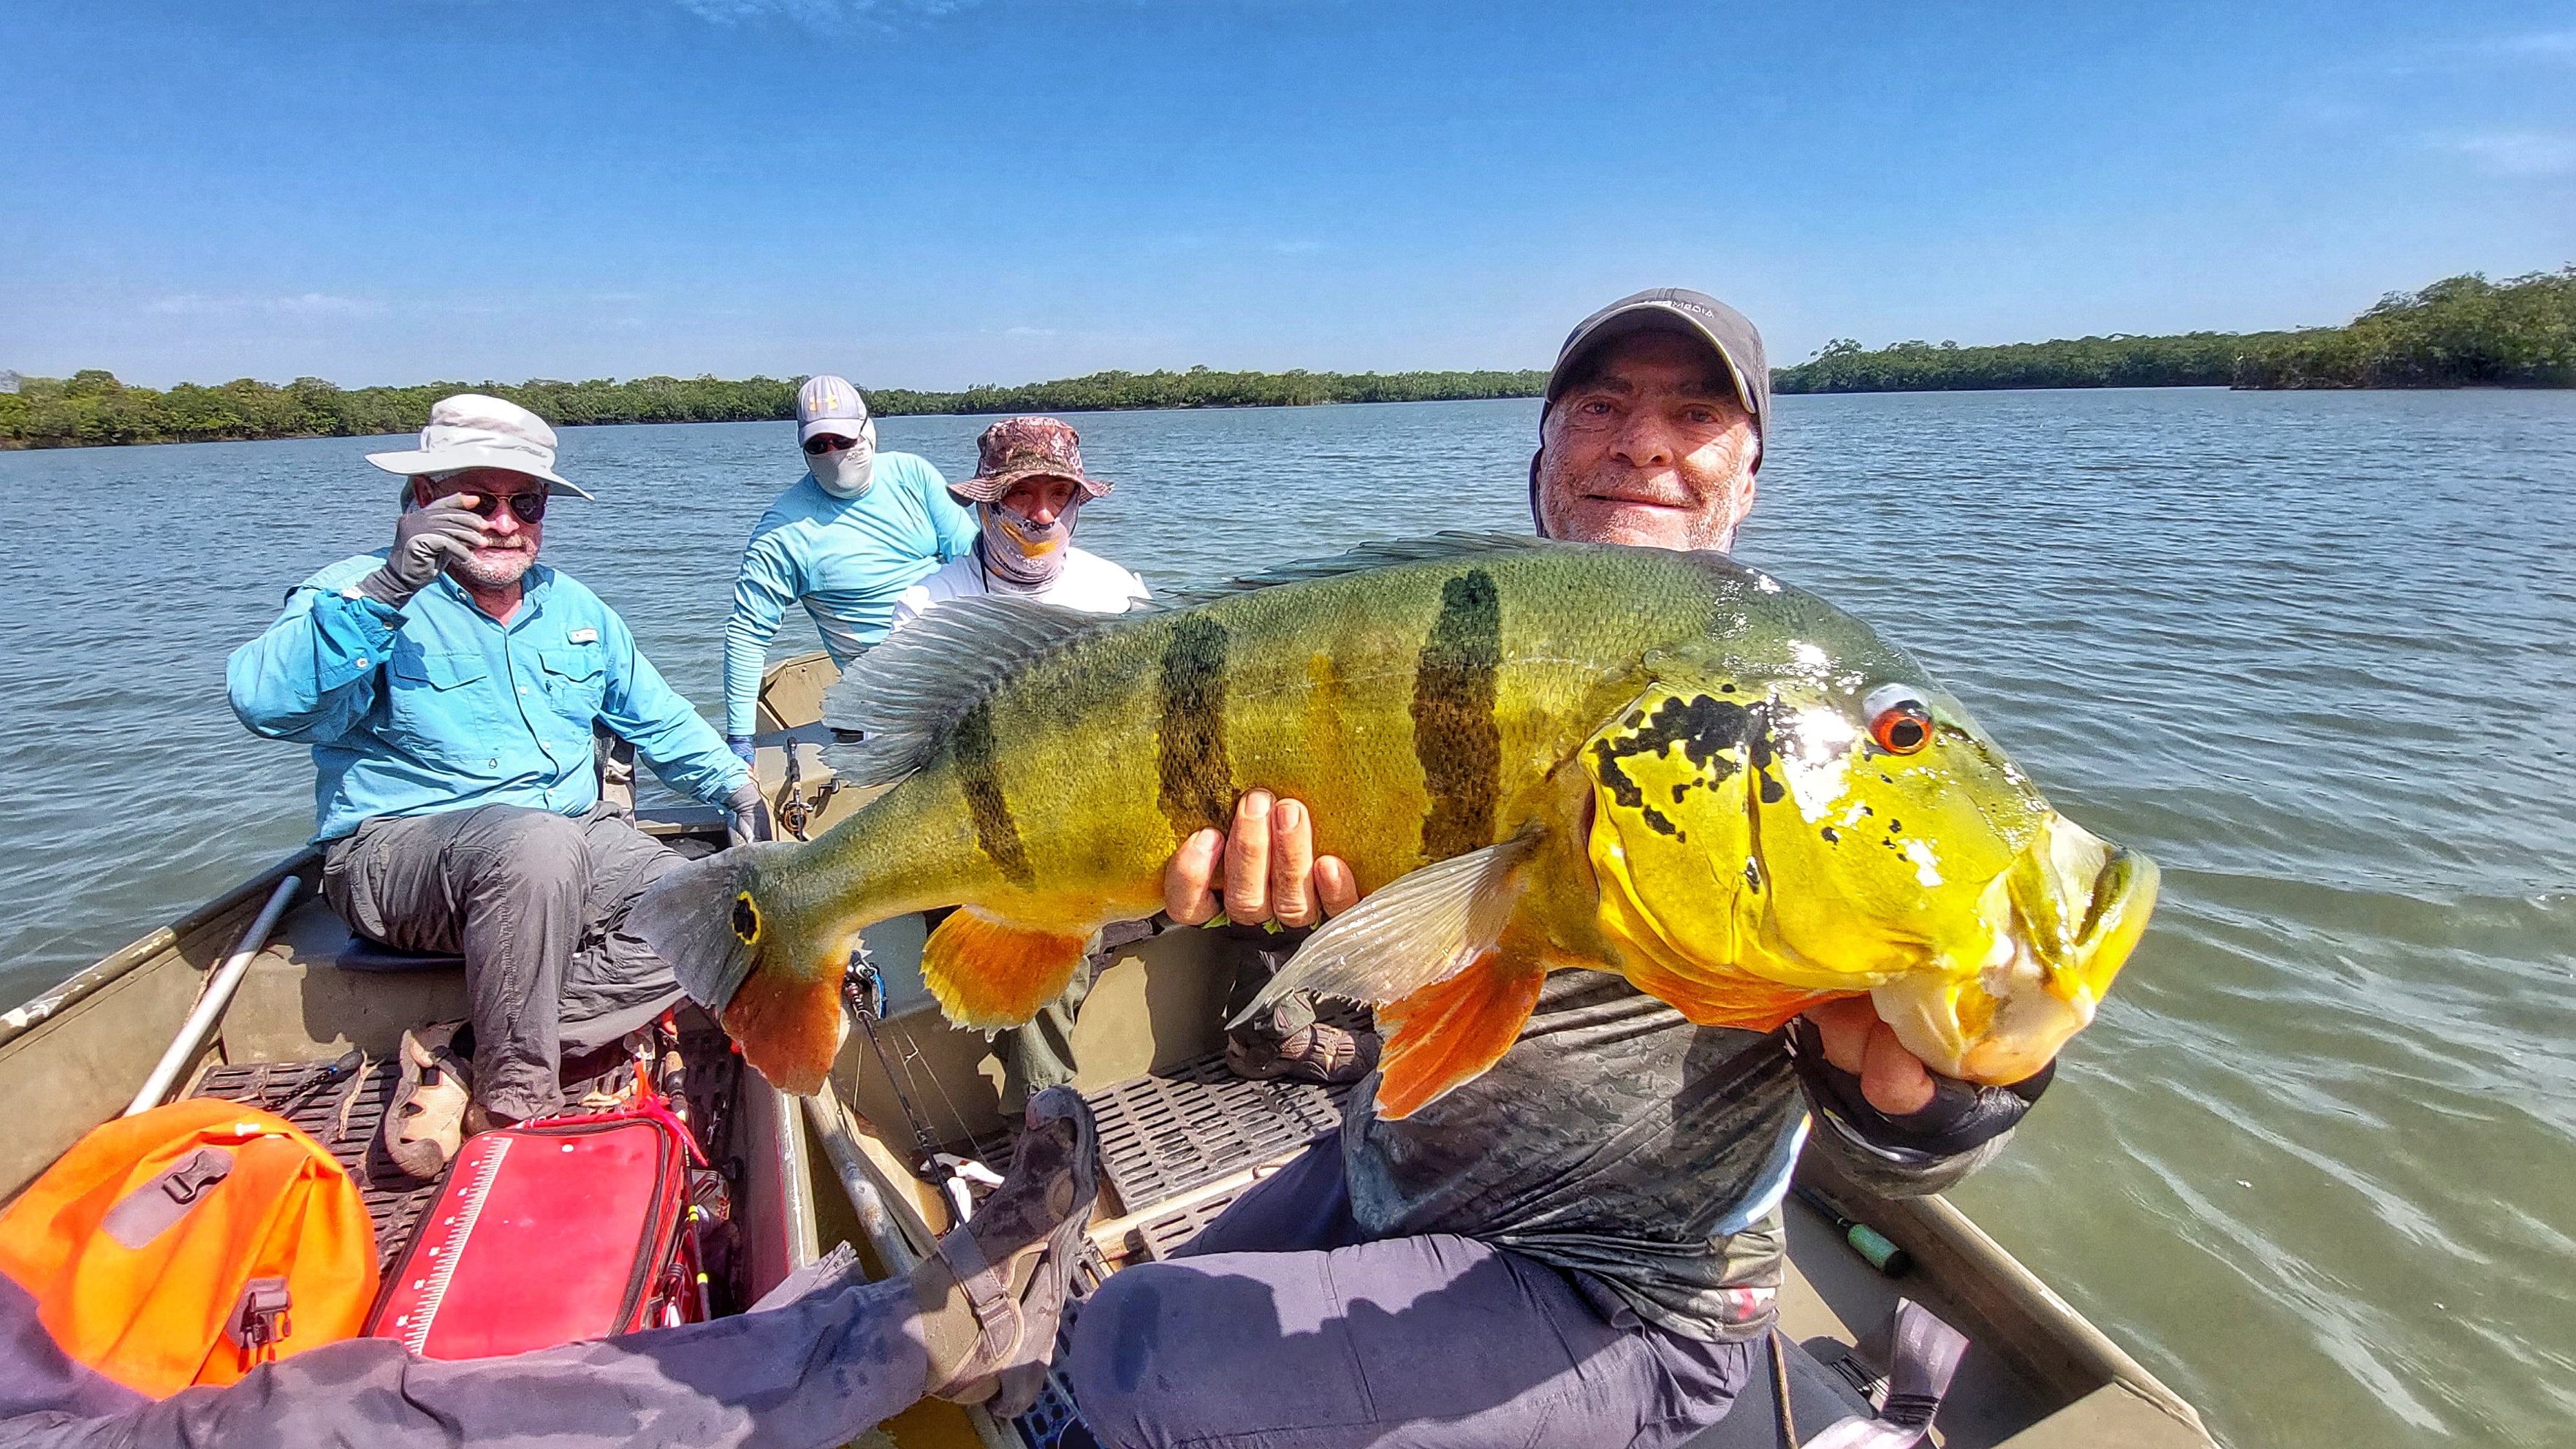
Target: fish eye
x,y
1899,721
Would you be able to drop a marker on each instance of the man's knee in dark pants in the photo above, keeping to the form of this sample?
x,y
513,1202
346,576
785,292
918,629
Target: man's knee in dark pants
x,y
1436,1341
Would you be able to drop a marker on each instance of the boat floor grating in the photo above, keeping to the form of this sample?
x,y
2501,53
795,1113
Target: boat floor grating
x,y
1193,1123
342,1112
1165,1232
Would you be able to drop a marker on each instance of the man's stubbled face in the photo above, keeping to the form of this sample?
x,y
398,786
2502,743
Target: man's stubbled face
x,y
1652,449
510,542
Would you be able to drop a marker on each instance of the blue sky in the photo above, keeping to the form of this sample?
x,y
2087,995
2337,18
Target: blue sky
x,y
931,194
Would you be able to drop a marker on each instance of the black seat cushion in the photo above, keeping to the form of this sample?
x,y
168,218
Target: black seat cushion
x,y
1818,1395
362,954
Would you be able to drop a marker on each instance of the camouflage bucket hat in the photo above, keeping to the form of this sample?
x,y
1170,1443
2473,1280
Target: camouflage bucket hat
x,y
1017,448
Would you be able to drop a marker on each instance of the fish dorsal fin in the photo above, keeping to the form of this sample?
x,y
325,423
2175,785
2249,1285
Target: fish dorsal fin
x,y
904,694
1415,931
1452,544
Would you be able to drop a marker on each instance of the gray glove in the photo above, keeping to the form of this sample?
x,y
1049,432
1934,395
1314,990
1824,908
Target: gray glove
x,y
425,540
750,814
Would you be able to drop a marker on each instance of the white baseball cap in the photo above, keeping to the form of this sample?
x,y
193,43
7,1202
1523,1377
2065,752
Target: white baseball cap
x,y
828,404
470,430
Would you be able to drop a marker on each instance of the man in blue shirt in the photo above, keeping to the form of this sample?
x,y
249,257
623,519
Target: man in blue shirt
x,y
449,687
846,541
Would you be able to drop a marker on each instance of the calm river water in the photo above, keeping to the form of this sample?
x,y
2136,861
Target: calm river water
x,y
2311,651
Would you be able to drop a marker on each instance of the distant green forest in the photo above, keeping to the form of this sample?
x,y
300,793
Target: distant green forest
x,y
2462,332
2465,331
93,407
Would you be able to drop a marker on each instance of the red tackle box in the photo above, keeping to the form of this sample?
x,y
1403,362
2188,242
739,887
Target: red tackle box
x,y
546,1233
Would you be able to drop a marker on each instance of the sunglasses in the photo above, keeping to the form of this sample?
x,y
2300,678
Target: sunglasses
x,y
817,446
529,506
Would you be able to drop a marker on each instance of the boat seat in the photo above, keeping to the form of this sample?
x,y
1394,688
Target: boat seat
x,y
376,957
1818,1396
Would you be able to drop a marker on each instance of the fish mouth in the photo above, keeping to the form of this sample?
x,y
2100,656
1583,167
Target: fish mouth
x,y
2068,913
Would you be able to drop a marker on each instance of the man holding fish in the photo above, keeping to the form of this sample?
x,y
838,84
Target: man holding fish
x,y
1598,1213
1640,854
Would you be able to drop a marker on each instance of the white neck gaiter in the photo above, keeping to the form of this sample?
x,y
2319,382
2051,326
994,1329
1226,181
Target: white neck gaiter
x,y
1021,556
847,473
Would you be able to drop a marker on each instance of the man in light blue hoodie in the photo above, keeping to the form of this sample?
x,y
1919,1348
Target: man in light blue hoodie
x,y
846,541
450,686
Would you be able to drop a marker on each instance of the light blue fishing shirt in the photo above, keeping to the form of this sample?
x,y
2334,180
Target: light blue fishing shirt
x,y
845,559
438,706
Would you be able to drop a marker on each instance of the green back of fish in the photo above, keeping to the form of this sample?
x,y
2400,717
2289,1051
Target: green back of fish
x,y
1416,708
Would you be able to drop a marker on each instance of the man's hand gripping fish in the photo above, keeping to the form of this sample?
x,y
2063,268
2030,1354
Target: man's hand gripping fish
x,y
1533,756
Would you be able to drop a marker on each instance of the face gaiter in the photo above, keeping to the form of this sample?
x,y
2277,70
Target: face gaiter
x,y
847,473
1019,555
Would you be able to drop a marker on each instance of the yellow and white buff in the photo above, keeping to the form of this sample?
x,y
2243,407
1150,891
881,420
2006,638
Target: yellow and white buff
x,y
1021,555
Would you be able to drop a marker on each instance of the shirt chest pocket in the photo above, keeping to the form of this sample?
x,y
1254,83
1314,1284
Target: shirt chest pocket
x,y
575,679
441,705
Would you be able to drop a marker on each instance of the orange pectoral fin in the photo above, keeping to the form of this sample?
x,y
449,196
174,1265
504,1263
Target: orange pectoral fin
x,y
789,1028
1737,999
987,973
1449,1032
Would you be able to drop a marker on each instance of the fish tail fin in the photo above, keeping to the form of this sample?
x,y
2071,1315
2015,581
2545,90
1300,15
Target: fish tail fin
x,y
790,1028
703,918
738,955
1450,1032
986,972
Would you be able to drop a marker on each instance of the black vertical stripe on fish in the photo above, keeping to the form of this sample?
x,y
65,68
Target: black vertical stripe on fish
x,y
996,833
1197,780
1455,735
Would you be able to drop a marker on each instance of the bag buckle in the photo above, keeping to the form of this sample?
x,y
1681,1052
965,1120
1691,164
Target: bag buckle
x,y
200,1170
260,1318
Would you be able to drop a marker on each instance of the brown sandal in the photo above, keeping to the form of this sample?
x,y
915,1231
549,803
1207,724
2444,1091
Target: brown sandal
x,y
1317,1052
425,1120
991,1296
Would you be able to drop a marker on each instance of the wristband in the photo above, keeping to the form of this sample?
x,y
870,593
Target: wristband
x,y
1961,1116
385,589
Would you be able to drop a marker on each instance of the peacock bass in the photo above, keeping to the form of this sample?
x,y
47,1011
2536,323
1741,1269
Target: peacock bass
x,y
1534,756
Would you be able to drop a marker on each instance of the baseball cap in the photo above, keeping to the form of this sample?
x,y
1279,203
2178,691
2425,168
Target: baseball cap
x,y
470,430
1017,448
828,404
1677,309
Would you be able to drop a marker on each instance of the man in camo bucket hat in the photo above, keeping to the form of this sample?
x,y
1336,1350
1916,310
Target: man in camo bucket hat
x,y
1028,486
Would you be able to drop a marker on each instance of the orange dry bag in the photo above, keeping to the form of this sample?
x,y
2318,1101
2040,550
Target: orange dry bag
x,y
190,1244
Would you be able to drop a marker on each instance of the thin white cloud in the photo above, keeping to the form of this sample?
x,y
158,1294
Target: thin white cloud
x,y
2541,45
2519,154
821,14
1028,332
307,304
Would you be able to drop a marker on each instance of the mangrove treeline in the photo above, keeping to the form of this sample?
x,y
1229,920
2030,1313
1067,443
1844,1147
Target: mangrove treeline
x,y
93,407
2466,331
2463,332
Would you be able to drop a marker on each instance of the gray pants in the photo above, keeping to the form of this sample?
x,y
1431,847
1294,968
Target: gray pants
x,y
1282,1326
536,904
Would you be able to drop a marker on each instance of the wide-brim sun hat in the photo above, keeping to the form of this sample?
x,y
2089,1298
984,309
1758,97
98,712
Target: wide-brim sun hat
x,y
1016,449
471,430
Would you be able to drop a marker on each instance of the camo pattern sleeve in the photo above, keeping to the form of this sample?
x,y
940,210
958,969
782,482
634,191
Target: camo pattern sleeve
x,y
1615,1141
